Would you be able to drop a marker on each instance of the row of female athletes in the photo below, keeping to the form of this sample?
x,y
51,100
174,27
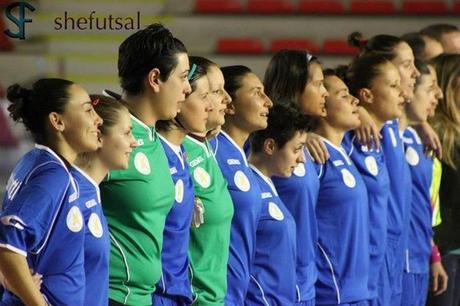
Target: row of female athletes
x,y
195,186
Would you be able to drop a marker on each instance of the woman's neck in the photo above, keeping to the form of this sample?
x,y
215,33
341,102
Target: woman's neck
x,y
95,168
64,150
175,136
330,133
141,108
403,122
238,135
262,163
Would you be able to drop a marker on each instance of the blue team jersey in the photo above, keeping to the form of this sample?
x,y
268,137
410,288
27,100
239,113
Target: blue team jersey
x,y
175,280
299,194
399,173
343,231
97,239
371,165
41,219
273,273
420,230
245,192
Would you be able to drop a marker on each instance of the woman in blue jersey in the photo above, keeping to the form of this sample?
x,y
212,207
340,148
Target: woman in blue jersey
x,y
174,287
400,54
277,150
375,81
116,143
342,210
42,226
417,265
247,113
295,77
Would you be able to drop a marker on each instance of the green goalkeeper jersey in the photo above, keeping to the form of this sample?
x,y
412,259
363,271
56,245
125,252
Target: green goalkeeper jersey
x,y
209,243
136,202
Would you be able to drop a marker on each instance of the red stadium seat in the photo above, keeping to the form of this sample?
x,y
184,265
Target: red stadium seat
x,y
372,7
240,46
294,43
5,42
456,7
424,7
338,47
219,6
321,6
270,6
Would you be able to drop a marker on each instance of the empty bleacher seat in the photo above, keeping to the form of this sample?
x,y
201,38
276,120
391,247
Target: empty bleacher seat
x,y
270,6
424,7
456,7
218,6
372,7
321,6
240,46
294,43
338,47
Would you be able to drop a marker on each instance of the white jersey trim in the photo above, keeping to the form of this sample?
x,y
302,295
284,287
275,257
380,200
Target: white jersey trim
x,y
13,249
128,275
261,290
243,156
265,178
332,273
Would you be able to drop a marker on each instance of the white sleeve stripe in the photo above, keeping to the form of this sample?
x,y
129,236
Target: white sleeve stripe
x,y
13,249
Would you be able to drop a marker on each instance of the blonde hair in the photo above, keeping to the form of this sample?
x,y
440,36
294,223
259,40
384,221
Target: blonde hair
x,y
446,120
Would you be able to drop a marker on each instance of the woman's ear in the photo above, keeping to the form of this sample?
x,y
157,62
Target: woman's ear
x,y
56,121
153,80
365,95
269,146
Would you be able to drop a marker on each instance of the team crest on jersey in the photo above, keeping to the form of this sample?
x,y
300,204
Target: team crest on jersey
x,y
95,225
275,211
179,191
141,162
241,181
348,178
412,156
371,165
202,177
74,219
299,170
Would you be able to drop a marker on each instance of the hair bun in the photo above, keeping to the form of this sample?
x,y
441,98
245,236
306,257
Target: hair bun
x,y
355,39
18,96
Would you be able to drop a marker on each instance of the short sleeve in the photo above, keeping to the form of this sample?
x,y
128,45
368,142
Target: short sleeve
x,y
27,217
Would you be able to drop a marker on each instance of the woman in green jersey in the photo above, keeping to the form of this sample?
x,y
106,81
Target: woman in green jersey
x,y
153,68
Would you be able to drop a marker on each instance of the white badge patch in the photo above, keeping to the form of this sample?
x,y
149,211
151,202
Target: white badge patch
x,y
348,178
141,162
74,219
241,181
275,211
179,191
412,156
202,177
299,170
371,165
95,225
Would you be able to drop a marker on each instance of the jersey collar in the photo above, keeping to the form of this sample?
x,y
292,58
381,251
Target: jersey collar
x,y
243,156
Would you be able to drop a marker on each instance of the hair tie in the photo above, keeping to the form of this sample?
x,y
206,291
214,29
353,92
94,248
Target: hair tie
x,y
363,43
191,72
309,56
95,102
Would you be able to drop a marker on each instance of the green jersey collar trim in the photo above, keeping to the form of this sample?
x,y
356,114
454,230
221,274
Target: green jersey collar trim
x,y
150,130
201,144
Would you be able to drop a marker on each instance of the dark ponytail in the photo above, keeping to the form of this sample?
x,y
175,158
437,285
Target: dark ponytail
x,y
384,44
